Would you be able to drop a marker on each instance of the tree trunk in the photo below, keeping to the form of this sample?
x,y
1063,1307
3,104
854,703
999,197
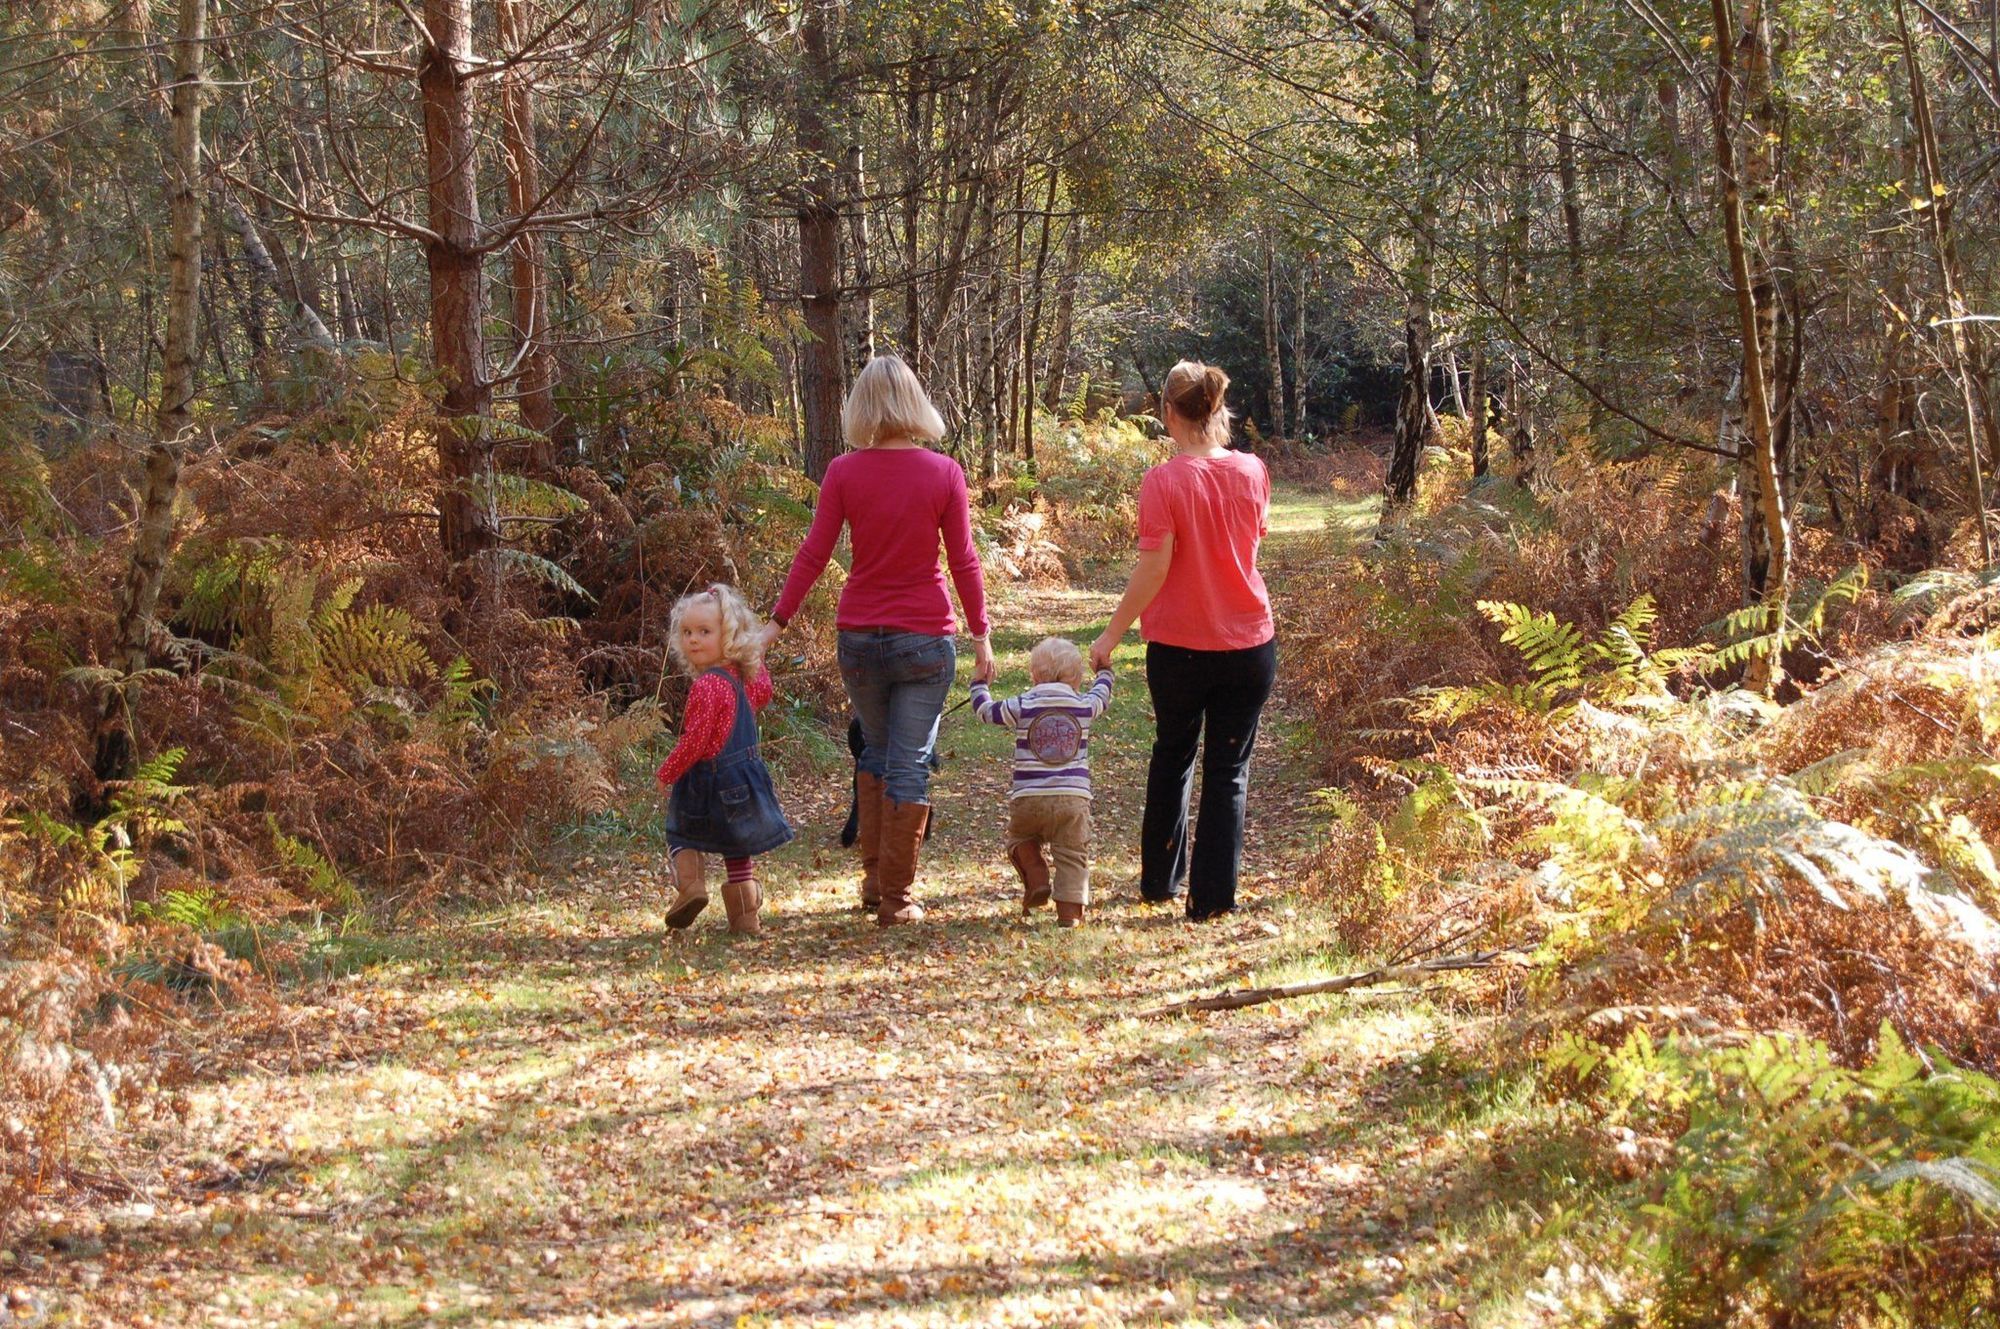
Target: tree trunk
x,y
1020,436
917,126
1766,670
987,315
1894,465
1306,272
528,284
1413,408
1052,395
1479,417
1274,399
1519,409
1944,248
309,322
1029,380
822,380
466,522
117,740
863,347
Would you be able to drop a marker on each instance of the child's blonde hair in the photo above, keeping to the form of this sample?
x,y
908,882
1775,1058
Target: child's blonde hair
x,y
740,644
1056,660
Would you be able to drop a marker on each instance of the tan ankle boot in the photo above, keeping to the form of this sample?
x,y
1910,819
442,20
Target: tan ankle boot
x,y
690,890
742,900
868,835
1068,915
1034,870
902,838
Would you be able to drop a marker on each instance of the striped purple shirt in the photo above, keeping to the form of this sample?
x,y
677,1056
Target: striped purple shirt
x,y
1051,725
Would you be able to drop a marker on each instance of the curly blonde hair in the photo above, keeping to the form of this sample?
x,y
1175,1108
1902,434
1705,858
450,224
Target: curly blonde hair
x,y
740,626
1056,660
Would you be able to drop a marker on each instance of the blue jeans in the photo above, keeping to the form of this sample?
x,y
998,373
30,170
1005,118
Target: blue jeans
x,y
897,682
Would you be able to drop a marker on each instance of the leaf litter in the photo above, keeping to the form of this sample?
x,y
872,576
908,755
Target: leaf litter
x,y
557,1116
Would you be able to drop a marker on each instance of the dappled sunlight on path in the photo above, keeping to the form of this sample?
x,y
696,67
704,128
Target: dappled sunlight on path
x,y
552,1115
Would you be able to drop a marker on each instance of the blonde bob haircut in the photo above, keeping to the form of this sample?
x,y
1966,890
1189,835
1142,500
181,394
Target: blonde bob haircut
x,y
886,401
1195,392
1056,660
740,645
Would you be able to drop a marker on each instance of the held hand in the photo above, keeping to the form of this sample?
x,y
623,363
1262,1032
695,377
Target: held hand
x,y
1101,649
982,661
768,635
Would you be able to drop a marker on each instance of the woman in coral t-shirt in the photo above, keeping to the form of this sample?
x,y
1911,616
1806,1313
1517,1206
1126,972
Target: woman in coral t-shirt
x,y
1211,653
899,502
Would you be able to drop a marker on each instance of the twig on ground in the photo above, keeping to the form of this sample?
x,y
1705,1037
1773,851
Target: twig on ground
x,y
1229,1001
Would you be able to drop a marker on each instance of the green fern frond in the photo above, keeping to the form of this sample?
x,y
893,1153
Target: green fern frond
x,y
204,910
493,429
468,698
1554,650
103,678
518,495
35,571
1934,586
373,646
324,879
541,569
763,499
1842,590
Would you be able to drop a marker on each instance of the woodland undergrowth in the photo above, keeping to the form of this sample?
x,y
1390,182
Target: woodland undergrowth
x,y
344,730
1762,955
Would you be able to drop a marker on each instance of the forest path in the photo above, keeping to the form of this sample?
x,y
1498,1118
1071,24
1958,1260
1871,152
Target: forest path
x,y
542,1115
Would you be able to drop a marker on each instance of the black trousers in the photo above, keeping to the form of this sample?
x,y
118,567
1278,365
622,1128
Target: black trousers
x,y
1224,692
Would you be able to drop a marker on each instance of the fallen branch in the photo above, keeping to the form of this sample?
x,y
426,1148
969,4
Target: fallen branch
x,y
1229,1001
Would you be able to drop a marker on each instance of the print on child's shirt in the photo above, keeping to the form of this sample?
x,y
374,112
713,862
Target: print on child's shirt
x,y
1055,738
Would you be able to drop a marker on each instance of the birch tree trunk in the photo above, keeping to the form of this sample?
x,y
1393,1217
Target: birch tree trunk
x,y
1766,669
1306,273
265,271
117,740
1274,398
1944,248
863,349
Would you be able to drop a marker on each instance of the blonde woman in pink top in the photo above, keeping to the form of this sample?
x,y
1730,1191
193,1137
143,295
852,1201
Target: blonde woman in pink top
x,y
1211,653
899,502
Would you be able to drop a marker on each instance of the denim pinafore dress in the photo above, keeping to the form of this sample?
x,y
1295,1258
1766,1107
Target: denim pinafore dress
x,y
726,805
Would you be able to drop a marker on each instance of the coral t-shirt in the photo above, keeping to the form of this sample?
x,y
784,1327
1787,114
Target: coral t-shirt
x,y
1217,510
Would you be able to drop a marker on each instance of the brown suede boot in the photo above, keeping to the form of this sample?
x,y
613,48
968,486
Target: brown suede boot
x,y
1034,870
1068,915
742,900
690,890
868,835
902,837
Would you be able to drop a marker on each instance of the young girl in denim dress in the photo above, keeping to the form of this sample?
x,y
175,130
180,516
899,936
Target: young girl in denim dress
x,y
722,801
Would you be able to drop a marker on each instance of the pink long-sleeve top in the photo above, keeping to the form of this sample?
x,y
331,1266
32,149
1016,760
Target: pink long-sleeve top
x,y
711,714
896,504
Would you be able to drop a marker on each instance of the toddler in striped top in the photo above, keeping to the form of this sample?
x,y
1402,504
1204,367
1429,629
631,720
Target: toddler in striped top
x,y
1049,806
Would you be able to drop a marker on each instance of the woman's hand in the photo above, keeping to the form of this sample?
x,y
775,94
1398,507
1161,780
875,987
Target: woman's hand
x,y
1101,650
982,660
767,636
